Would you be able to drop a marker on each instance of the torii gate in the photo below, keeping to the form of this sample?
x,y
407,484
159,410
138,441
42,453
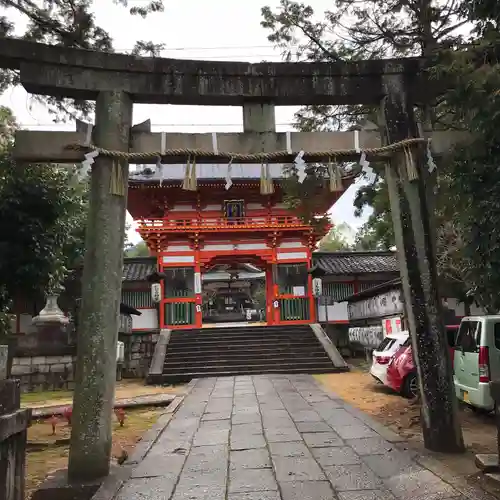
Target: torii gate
x,y
116,81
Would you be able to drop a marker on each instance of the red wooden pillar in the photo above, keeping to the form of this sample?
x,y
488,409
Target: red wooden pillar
x,y
198,284
270,310
161,304
312,307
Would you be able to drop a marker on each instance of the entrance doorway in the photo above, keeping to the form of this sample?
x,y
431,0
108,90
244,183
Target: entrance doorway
x,y
234,294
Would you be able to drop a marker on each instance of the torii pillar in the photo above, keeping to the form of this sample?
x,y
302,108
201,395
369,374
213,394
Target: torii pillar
x,y
417,261
91,433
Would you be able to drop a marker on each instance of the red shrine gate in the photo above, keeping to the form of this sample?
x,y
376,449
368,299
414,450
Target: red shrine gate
x,y
192,231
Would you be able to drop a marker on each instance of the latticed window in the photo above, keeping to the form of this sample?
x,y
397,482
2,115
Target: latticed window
x,y
337,292
137,298
366,285
290,276
179,282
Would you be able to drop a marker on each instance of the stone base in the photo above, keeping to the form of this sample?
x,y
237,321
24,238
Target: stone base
x,y
493,479
487,463
56,487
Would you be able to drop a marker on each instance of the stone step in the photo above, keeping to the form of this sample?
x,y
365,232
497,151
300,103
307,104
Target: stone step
x,y
249,360
239,340
238,353
321,366
243,350
247,329
237,335
242,346
178,377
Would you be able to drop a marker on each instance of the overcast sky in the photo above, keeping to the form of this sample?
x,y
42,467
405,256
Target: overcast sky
x,y
190,29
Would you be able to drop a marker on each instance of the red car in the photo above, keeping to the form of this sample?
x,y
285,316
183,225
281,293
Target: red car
x,y
402,373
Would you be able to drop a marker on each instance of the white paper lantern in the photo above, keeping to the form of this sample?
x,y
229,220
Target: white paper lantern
x,y
156,292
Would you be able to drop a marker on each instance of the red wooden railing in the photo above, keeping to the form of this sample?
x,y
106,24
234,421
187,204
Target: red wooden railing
x,y
214,224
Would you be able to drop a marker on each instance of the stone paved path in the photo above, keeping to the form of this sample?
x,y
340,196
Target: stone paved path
x,y
277,437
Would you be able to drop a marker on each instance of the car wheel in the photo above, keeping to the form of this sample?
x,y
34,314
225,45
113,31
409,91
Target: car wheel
x,y
410,386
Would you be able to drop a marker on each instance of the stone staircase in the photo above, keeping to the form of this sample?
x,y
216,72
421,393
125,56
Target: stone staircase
x,y
241,350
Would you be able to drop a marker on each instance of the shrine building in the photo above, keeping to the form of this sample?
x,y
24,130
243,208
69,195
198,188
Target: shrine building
x,y
192,232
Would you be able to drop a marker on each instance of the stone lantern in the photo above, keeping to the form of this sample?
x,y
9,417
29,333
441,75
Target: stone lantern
x,y
51,334
51,313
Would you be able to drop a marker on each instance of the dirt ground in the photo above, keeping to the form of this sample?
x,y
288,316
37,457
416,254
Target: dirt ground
x,y
48,452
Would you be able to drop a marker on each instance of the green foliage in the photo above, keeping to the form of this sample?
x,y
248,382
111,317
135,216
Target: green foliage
x,y
354,30
473,176
70,24
42,216
139,250
377,233
336,239
309,198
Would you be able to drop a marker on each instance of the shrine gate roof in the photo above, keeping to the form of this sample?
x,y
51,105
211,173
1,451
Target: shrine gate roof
x,y
352,263
206,172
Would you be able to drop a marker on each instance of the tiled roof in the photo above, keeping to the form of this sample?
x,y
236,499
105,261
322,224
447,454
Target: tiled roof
x,y
355,262
138,268
332,263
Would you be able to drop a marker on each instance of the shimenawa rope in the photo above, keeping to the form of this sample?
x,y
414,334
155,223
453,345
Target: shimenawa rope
x,y
257,157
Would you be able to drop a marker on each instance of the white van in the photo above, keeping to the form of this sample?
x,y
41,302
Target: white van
x,y
477,360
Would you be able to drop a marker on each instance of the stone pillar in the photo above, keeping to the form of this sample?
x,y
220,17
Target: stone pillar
x,y
260,119
4,362
90,447
417,262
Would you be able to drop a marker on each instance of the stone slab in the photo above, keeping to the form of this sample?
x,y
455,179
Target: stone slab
x,y
250,459
251,480
352,477
340,455
297,469
255,495
365,495
487,462
422,484
370,445
157,488
354,431
307,490
391,464
322,439
303,427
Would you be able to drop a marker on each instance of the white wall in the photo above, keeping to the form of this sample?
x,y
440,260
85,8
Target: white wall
x,y
336,312
147,320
